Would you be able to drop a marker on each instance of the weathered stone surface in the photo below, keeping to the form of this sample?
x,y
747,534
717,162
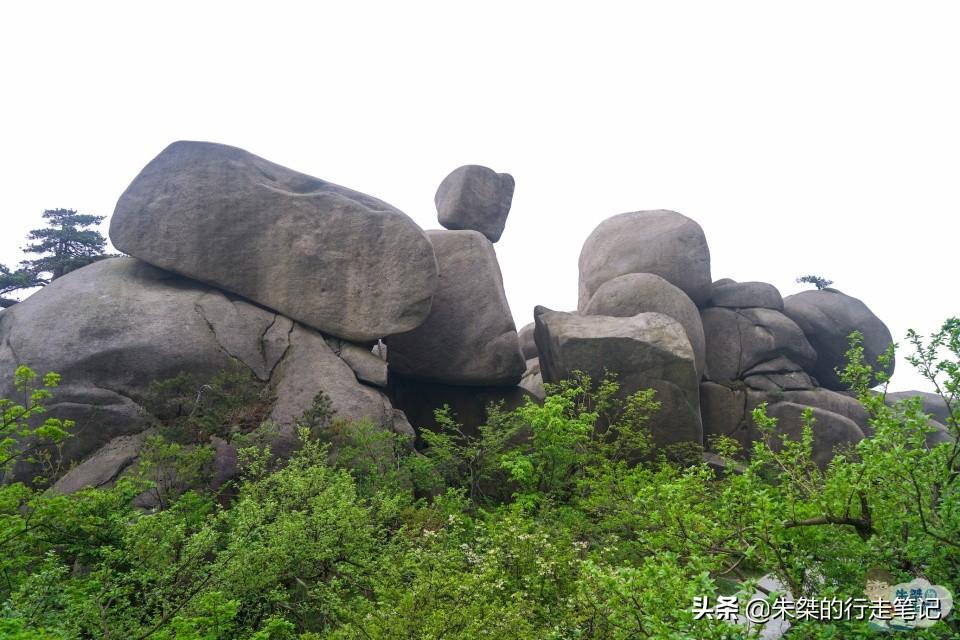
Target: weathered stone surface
x,y
528,345
634,293
469,338
114,327
828,317
785,381
833,401
104,466
739,340
740,295
931,402
309,367
475,198
419,399
830,430
648,350
665,243
368,367
335,259
724,413
533,380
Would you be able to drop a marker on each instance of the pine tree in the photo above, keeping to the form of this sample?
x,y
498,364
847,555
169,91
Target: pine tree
x,y
64,245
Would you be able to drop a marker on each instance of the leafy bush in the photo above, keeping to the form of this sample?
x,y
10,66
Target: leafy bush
x,y
553,521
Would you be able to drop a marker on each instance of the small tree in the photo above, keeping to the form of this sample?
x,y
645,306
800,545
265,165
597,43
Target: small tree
x,y
64,245
817,281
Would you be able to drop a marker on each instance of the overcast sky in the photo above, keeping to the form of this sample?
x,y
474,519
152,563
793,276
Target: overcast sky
x,y
819,137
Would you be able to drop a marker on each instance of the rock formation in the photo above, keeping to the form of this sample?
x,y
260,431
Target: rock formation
x,y
310,287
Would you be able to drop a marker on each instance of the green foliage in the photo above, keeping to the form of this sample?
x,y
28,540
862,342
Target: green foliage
x,y
25,436
191,410
557,520
64,245
817,281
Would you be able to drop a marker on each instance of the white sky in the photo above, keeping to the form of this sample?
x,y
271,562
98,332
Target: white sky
x,y
815,137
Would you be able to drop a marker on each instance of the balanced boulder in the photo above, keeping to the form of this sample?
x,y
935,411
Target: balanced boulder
x,y
475,198
828,317
666,243
469,338
645,351
634,293
334,259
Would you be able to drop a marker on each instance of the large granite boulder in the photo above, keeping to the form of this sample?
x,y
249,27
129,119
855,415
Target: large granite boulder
x,y
646,351
533,380
475,198
752,342
665,243
740,295
634,293
828,317
469,338
114,327
334,259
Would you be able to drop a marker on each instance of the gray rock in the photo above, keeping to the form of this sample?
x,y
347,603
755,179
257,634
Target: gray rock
x,y
634,293
335,259
828,317
475,198
833,401
932,403
533,380
787,381
103,467
469,338
527,344
368,367
724,413
830,430
739,340
646,351
741,295
115,326
665,243
309,367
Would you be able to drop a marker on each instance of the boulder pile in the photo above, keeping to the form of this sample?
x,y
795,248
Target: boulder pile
x,y
312,287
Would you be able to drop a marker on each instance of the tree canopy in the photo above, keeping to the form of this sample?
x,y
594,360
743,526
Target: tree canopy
x,y
65,244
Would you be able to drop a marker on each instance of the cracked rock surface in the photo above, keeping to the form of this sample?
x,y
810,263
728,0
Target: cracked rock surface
x,y
114,327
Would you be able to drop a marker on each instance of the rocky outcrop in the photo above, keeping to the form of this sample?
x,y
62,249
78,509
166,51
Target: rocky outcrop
x,y
664,243
118,325
532,380
469,338
828,317
645,351
634,293
334,259
475,198
932,403
830,430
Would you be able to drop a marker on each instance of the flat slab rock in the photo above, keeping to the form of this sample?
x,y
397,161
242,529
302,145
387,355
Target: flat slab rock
x,y
646,351
334,259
